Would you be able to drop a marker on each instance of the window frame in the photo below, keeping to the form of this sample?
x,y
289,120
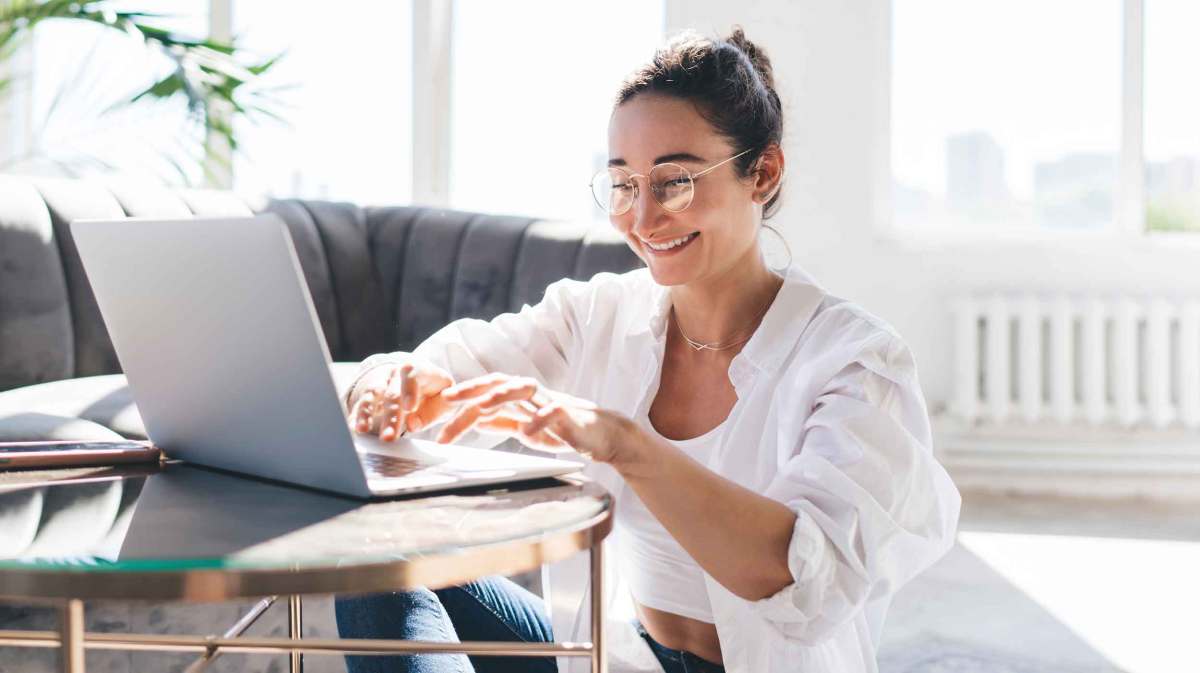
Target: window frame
x,y
1131,200
218,155
432,65
1129,226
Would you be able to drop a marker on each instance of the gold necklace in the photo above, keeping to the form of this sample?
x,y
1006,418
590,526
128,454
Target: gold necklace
x,y
717,346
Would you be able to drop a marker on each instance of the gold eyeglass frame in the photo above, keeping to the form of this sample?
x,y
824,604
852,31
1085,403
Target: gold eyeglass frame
x,y
654,189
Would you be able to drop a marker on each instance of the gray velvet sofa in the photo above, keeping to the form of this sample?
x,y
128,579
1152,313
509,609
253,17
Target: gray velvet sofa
x,y
382,278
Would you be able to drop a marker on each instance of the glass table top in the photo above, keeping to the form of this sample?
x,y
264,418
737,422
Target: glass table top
x,y
180,518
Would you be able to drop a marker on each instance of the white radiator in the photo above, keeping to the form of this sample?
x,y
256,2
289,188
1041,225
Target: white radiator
x,y
1077,360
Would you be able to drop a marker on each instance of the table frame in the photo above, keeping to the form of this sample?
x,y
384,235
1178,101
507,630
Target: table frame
x,y
73,641
68,589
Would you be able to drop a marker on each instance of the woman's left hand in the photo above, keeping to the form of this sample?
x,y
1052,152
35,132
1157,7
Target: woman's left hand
x,y
539,418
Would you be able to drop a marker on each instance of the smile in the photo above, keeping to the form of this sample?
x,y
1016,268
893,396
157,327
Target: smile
x,y
672,245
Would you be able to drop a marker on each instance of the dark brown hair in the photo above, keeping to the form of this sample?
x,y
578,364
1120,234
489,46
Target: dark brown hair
x,y
730,82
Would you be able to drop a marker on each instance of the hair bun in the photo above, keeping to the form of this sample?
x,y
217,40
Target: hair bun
x,y
732,86
757,56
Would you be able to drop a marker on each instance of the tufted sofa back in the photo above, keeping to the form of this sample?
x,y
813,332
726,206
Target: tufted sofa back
x,y
382,278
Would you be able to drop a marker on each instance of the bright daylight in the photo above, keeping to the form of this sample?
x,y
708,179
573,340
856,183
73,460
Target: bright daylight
x,y
647,336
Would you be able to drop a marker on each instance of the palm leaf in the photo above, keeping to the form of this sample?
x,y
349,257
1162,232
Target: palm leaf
x,y
166,87
209,74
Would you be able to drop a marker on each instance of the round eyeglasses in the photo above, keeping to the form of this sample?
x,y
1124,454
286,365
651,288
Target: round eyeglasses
x,y
672,186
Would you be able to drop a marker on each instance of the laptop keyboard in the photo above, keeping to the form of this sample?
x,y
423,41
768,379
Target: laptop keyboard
x,y
389,466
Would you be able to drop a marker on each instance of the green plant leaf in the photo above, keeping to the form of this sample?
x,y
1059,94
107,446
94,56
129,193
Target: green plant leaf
x,y
164,88
208,73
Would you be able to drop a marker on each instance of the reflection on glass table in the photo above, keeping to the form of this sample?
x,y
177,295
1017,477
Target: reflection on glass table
x,y
179,532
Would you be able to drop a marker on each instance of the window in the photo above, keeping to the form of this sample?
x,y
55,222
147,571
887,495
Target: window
x,y
80,69
1172,116
345,92
1005,114
531,99
347,74
1016,116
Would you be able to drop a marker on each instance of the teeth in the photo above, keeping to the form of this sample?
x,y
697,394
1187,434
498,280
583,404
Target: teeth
x,y
670,244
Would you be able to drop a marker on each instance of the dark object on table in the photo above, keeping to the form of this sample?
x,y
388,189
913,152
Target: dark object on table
x,y
25,455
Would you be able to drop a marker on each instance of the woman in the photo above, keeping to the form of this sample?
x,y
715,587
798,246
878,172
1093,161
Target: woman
x,y
767,444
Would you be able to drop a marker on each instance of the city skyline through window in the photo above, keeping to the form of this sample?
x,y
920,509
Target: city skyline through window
x,y
1172,116
1008,115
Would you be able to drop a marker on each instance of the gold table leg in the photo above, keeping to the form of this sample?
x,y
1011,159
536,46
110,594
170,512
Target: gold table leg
x,y
599,660
295,632
71,629
237,629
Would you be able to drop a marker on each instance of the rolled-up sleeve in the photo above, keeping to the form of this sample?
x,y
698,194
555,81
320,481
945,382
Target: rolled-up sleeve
x,y
873,506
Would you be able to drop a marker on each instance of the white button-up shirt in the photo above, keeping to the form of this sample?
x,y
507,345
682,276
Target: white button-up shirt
x,y
829,420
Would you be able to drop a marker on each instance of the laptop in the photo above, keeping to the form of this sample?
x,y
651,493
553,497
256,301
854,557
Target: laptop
x,y
218,336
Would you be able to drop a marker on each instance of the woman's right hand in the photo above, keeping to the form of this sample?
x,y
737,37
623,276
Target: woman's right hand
x,y
399,396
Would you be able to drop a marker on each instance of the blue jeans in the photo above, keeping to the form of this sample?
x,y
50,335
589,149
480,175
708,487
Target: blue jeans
x,y
677,661
492,608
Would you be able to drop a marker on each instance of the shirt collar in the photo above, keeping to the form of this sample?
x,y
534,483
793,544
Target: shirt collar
x,y
786,318
650,319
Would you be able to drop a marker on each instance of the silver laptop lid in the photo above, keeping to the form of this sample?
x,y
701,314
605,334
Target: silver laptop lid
x,y
218,336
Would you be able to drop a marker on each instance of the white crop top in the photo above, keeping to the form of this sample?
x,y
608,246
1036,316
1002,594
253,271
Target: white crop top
x,y
661,574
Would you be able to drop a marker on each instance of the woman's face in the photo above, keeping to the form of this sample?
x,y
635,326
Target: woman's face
x,y
722,219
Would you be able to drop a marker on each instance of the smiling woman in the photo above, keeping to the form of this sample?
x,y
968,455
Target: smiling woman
x,y
766,443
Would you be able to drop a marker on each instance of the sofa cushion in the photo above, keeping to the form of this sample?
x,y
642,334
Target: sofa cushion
x,y
105,404
214,203
104,400
67,201
359,300
547,253
36,342
427,285
24,426
310,249
146,198
485,267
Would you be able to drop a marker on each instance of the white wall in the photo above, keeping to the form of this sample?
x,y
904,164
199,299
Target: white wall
x,y
831,64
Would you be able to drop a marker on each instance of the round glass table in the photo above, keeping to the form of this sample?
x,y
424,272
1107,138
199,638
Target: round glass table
x,y
182,533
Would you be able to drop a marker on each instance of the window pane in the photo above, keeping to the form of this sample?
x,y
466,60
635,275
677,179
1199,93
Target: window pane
x,y
1005,115
82,72
348,73
1172,115
531,103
